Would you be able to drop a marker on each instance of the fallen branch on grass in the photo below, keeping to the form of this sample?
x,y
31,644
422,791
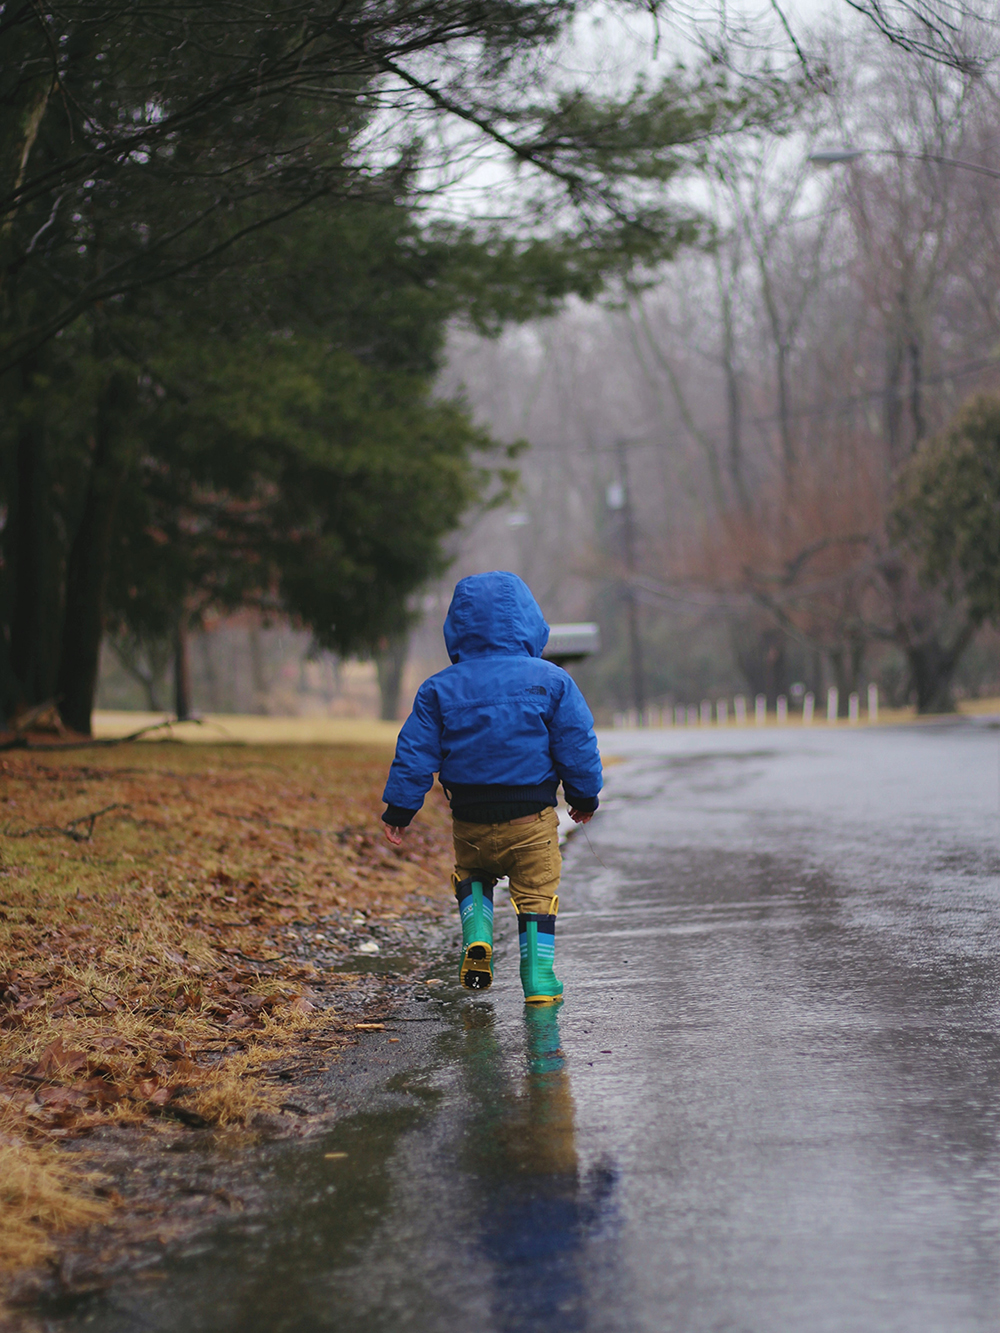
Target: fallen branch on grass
x,y
70,830
104,742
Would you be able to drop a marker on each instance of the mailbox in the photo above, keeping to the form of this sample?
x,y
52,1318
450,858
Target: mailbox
x,y
572,643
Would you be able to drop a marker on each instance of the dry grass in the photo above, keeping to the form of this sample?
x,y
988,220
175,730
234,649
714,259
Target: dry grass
x,y
254,729
156,967
40,1195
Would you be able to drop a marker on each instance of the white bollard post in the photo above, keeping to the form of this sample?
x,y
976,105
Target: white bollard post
x,y
872,703
808,706
832,703
692,717
853,707
619,720
633,720
740,710
760,710
680,717
706,713
782,710
722,712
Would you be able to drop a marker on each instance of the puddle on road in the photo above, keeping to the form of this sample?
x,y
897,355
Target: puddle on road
x,y
378,965
467,1207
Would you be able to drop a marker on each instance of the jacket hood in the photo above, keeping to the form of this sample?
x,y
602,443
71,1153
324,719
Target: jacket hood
x,y
494,614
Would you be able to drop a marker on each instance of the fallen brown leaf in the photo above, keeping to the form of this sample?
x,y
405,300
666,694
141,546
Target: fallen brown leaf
x,y
101,1091
56,1059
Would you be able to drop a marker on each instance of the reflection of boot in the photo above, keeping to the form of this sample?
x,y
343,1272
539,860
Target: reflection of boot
x,y
541,1139
487,1090
544,1053
537,938
475,905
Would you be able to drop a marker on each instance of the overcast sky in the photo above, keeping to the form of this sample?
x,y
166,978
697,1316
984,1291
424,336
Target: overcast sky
x,y
607,50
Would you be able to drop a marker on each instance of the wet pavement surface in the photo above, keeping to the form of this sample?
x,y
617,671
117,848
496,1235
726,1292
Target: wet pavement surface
x,y
769,1102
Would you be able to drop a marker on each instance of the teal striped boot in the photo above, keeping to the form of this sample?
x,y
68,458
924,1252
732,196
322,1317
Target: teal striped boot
x,y
537,937
475,905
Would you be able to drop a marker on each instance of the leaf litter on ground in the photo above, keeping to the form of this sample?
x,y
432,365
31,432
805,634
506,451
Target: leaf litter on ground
x,y
161,907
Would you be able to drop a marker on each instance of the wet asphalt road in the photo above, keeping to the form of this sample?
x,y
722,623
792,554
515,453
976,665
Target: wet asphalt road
x,y
769,1102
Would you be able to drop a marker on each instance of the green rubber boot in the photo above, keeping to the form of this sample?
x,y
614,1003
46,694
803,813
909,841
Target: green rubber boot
x,y
475,905
537,937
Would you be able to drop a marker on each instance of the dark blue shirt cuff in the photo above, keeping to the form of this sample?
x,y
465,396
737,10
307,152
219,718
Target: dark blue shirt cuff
x,y
396,817
585,804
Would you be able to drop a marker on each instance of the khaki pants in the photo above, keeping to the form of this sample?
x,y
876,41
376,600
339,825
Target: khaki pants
x,y
527,850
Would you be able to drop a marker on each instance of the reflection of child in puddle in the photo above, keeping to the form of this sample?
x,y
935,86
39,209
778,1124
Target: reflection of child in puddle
x,y
503,728
541,1215
540,1136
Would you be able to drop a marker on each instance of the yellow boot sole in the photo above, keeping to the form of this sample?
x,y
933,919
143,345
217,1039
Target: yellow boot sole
x,y
476,972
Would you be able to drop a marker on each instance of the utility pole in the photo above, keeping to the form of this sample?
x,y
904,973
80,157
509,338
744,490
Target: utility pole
x,y
631,602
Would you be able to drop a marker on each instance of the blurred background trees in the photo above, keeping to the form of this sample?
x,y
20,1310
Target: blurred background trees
x,y
225,294
772,390
285,296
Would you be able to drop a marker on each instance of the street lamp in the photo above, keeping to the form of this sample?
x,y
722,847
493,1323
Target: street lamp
x,y
831,157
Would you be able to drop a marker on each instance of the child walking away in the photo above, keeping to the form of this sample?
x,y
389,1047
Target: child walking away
x,y
503,728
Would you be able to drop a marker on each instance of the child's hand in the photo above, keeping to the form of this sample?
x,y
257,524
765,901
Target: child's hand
x,y
395,835
579,817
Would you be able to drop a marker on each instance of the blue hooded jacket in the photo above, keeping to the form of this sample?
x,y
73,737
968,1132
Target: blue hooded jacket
x,y
500,725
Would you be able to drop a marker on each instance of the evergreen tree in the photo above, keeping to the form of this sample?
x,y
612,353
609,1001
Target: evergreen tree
x,y
220,318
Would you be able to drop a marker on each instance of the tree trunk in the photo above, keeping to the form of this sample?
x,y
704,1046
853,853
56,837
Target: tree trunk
x,y
389,666
761,655
780,334
209,671
932,670
784,415
893,400
734,436
33,561
90,555
21,130
916,392
776,679
157,654
847,661
9,689
258,671
734,408
816,673
182,670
